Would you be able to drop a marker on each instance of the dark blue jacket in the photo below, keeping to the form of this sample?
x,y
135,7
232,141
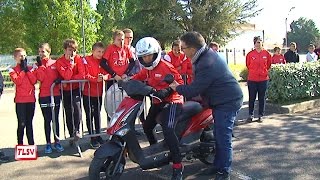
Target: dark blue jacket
x,y
214,81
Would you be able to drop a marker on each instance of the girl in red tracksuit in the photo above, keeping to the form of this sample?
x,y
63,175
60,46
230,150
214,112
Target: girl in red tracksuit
x,y
149,54
24,79
47,74
258,62
180,61
70,67
277,57
92,99
117,59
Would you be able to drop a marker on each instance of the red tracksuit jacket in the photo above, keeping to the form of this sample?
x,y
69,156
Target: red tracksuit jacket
x,y
278,59
46,74
155,78
71,72
258,64
118,58
25,90
182,63
92,70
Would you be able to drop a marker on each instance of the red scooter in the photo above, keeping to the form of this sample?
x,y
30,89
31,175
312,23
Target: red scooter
x,y
194,130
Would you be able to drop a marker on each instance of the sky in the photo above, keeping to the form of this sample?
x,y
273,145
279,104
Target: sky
x,y
272,17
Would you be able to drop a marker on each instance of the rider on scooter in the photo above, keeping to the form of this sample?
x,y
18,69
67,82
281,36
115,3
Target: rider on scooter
x,y
155,69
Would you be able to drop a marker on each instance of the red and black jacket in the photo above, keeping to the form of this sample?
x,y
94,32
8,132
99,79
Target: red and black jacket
x,y
24,81
155,79
69,71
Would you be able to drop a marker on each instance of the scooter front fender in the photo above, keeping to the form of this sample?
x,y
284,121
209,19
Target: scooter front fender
x,y
107,149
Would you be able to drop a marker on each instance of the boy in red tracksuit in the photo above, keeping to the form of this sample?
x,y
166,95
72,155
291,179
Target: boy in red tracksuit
x,y
47,74
24,79
180,61
117,59
155,69
92,99
70,67
277,57
258,62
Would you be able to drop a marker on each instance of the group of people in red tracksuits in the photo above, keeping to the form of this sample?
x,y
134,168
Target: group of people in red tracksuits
x,y
117,61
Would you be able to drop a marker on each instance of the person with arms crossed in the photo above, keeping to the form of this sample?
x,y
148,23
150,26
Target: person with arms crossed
x,y
258,62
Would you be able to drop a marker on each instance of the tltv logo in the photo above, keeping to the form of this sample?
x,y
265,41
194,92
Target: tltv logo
x,y
25,152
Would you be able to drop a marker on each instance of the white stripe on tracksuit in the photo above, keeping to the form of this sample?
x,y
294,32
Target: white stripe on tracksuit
x,y
172,115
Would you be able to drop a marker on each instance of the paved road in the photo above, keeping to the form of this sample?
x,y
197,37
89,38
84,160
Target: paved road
x,y
283,147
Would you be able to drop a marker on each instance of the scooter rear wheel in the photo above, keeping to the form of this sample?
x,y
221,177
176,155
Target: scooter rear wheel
x,y
102,168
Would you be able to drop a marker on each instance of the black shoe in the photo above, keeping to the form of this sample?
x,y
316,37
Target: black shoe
x,y
177,173
260,119
94,143
210,171
100,140
222,176
249,119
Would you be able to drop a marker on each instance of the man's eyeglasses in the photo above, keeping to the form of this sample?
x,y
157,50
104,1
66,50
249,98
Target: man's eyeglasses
x,y
129,37
183,48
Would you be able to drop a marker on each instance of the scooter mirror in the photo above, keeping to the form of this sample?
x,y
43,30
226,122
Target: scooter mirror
x,y
169,78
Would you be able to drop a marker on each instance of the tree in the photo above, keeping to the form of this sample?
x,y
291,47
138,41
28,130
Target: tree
x,y
303,32
168,19
91,21
55,21
112,12
12,28
216,20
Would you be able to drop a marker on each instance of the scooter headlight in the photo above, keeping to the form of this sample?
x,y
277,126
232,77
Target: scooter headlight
x,y
122,132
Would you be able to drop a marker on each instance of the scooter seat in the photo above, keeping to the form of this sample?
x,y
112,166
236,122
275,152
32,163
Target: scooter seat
x,y
189,109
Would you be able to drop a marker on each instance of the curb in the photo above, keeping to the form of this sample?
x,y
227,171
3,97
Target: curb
x,y
292,108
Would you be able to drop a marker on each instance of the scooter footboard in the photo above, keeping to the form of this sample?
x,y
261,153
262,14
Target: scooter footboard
x,y
107,149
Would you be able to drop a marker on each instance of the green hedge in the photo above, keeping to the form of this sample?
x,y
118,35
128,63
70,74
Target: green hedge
x,y
294,81
239,71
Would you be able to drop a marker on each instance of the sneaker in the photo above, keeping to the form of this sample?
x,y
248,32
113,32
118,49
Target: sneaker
x,y
48,149
249,119
3,157
210,171
260,119
222,176
58,147
76,136
177,173
94,143
100,140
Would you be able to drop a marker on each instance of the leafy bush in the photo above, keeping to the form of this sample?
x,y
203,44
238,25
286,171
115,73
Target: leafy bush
x,y
244,74
294,81
237,70
8,84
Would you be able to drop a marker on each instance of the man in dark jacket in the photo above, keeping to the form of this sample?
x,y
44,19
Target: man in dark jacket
x,y
292,55
214,82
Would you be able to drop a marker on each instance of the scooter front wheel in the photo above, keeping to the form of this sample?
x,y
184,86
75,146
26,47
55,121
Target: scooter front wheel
x,y
103,168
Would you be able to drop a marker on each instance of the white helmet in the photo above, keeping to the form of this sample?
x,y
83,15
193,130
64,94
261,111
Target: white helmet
x,y
147,46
